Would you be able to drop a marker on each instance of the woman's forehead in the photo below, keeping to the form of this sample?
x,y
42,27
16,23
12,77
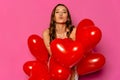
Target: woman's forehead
x,y
61,8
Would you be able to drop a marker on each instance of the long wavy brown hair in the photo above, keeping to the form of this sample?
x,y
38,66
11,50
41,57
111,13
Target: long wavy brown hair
x,y
52,28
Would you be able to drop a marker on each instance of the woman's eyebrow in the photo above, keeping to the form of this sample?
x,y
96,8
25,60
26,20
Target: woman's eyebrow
x,y
57,9
62,9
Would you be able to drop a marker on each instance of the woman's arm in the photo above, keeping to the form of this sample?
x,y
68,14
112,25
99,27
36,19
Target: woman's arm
x,y
46,39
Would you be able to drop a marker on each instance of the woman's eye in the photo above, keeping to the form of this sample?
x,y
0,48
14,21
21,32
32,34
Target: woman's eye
x,y
56,12
60,12
64,12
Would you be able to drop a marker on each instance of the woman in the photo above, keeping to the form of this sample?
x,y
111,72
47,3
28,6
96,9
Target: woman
x,y
60,27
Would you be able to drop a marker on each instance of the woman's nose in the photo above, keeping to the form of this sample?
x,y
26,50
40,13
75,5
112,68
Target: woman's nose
x,y
61,14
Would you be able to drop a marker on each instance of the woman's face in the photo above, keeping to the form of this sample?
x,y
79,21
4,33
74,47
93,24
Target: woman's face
x,y
61,15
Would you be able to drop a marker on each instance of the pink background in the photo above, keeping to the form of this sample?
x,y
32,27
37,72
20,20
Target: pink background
x,y
21,18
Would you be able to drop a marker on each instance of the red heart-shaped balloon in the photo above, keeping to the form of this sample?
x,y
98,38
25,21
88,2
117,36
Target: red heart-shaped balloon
x,y
40,72
88,36
90,63
85,23
37,48
28,66
57,71
66,51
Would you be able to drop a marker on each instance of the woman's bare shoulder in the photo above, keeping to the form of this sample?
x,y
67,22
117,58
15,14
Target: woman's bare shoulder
x,y
73,33
74,30
46,32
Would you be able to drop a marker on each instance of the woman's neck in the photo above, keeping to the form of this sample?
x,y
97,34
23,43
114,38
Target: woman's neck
x,y
60,28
